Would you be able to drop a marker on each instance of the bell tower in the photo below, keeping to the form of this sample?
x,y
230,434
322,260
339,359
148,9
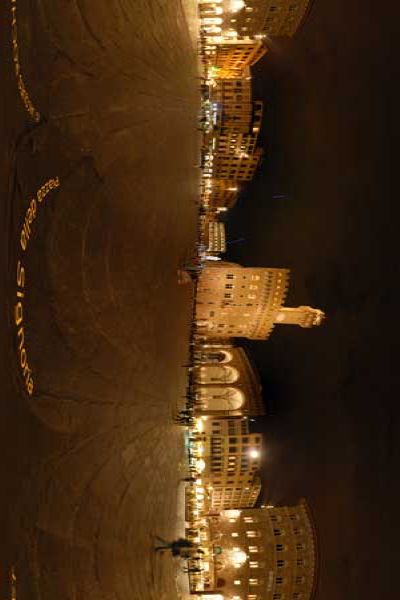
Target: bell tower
x,y
305,316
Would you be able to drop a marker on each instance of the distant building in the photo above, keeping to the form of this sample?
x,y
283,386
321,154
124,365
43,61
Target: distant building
x,y
225,382
231,57
214,236
252,18
235,110
235,156
233,301
220,193
264,554
232,459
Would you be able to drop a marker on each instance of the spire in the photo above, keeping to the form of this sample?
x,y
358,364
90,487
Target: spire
x,y
305,316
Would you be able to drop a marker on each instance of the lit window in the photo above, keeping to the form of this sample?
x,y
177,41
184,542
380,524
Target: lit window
x,y
253,581
253,534
237,581
234,534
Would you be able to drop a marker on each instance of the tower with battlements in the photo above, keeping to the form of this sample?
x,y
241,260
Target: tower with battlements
x,y
234,301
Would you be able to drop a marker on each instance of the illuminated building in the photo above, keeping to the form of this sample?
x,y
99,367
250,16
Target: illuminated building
x,y
230,57
220,193
233,301
232,459
215,238
236,156
252,18
271,17
226,383
264,554
234,107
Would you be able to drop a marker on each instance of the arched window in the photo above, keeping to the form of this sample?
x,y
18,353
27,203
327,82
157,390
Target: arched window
x,y
215,356
221,398
214,374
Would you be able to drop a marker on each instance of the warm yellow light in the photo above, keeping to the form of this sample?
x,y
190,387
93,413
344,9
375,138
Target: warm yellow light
x,y
254,453
199,425
200,465
237,5
238,557
232,513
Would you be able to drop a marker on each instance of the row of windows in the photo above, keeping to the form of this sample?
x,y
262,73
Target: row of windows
x,y
296,531
279,548
277,518
255,564
255,581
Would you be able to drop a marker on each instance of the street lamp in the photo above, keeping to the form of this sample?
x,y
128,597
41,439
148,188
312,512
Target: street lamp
x,y
238,557
254,453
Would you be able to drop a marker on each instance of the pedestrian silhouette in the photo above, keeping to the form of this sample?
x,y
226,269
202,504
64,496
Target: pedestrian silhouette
x,y
176,546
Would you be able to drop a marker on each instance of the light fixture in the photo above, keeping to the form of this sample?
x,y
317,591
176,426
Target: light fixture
x,y
238,557
254,453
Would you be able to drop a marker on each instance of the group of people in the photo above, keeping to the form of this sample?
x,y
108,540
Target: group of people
x,y
184,549
185,417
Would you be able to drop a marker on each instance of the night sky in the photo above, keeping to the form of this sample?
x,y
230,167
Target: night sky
x,y
325,204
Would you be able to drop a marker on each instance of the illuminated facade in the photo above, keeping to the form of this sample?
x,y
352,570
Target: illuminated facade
x,y
226,383
266,554
272,17
252,18
235,109
232,457
215,237
233,301
220,193
236,156
231,57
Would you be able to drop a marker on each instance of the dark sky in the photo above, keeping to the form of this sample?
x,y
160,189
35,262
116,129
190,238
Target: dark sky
x,y
331,153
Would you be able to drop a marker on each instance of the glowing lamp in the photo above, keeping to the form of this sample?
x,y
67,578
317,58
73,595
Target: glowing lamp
x,y
254,453
238,557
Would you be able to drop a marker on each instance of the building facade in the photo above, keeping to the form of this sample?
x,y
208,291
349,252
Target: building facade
x,y
235,156
235,109
233,301
266,554
231,57
232,457
215,237
275,18
251,18
220,193
225,382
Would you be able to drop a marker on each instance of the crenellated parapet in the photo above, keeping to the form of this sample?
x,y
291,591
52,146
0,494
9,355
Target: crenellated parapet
x,y
234,301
